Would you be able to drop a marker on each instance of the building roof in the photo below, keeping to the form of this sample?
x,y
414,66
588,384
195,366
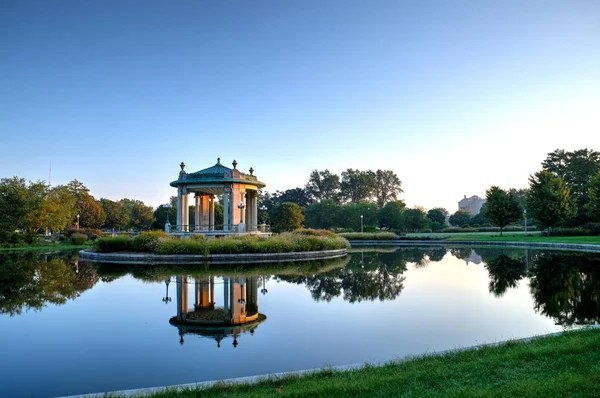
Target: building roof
x,y
217,174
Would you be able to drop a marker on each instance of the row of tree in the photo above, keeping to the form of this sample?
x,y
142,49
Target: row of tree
x,y
32,206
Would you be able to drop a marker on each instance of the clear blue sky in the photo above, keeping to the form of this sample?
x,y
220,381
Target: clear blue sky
x,y
454,96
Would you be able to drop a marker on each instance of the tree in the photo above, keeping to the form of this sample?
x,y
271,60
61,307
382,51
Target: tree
x,y
323,185
13,196
386,186
116,214
298,196
460,218
501,208
140,215
161,214
593,206
287,217
91,214
356,186
577,169
548,199
415,219
56,210
323,214
437,217
390,216
350,216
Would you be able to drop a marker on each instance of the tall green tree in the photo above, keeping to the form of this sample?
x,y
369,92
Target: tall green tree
x,y
357,186
593,206
287,217
501,208
55,211
415,219
91,213
437,218
460,218
390,216
323,214
386,186
13,198
140,215
116,214
576,168
350,216
548,200
323,185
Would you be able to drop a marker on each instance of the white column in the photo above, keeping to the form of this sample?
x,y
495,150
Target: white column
x,y
211,213
197,218
255,210
179,209
243,213
186,211
203,213
226,208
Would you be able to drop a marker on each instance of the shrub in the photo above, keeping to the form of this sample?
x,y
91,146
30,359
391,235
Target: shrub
x,y
147,241
368,235
116,244
314,232
79,239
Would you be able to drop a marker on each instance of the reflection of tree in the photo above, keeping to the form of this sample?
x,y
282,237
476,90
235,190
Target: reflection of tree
x,y
462,253
436,253
29,281
504,267
566,287
368,276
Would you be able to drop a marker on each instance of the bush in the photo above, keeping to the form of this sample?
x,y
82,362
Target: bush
x,y
315,232
368,235
116,244
79,239
147,241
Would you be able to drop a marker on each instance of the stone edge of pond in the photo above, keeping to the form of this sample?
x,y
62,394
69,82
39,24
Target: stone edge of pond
x,y
248,258
142,392
530,245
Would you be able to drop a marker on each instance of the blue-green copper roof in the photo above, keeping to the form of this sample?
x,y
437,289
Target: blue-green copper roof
x,y
218,170
216,174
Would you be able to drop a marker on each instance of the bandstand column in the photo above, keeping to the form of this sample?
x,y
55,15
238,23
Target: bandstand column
x,y
226,215
179,209
197,218
186,211
255,210
204,213
226,294
211,213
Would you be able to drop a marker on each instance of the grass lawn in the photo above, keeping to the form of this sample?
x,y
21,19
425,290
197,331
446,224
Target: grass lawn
x,y
506,237
45,247
559,366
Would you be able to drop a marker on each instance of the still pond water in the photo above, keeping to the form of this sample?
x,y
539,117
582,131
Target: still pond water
x,y
69,327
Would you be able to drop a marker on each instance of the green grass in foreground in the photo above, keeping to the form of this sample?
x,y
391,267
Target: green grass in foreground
x,y
558,366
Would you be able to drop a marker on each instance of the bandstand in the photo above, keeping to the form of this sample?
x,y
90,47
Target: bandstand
x,y
240,199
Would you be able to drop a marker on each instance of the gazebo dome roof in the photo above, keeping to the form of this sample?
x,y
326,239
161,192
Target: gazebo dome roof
x,y
217,174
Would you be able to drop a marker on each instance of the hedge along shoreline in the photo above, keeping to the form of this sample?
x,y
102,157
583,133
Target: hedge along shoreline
x,y
368,235
304,240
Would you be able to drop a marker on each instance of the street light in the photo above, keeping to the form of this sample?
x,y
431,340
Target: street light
x,y
241,206
77,221
361,223
525,214
264,289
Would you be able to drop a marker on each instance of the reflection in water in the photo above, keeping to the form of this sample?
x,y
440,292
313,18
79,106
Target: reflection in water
x,y
564,285
30,280
369,275
238,314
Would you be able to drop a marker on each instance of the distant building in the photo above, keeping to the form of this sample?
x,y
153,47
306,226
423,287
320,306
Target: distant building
x,y
471,205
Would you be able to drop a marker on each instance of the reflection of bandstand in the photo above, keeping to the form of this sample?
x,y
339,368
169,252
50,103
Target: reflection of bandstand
x,y
238,314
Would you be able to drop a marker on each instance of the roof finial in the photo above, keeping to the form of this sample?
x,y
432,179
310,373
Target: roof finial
x,y
234,163
218,160
251,171
182,165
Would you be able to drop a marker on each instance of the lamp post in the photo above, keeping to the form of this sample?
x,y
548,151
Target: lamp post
x,y
77,221
361,223
525,214
241,206
166,299
264,289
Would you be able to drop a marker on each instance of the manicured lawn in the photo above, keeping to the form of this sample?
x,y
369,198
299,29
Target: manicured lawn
x,y
45,247
557,366
522,238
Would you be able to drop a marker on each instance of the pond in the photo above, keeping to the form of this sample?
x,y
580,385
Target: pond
x,y
69,327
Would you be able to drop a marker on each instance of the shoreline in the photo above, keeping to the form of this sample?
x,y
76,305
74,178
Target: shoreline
x,y
584,247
